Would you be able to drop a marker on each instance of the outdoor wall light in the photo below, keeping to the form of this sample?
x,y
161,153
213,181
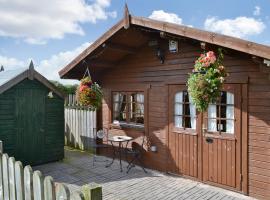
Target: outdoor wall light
x,y
50,94
153,148
161,55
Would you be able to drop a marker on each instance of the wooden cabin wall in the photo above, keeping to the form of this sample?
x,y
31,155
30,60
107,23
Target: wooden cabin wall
x,y
144,68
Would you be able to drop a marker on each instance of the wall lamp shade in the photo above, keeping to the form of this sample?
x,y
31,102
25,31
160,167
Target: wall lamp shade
x,y
161,55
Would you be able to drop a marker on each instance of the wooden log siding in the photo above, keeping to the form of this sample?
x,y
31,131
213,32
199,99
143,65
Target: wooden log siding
x,y
21,183
145,68
80,125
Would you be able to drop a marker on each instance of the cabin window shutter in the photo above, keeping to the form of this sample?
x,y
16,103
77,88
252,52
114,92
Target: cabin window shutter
x,y
178,110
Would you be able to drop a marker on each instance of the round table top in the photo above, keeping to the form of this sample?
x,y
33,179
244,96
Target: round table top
x,y
120,138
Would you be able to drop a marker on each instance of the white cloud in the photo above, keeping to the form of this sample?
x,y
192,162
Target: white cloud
x,y
166,16
240,27
37,21
48,67
257,11
11,62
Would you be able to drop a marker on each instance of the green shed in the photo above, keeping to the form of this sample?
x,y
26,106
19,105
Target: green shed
x,y
31,117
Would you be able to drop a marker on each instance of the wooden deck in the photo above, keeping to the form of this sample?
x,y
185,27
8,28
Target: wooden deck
x,y
77,169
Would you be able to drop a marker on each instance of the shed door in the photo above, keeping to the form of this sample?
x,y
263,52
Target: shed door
x,y
30,119
221,141
183,135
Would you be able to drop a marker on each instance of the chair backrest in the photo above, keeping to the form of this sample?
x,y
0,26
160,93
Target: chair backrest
x,y
139,147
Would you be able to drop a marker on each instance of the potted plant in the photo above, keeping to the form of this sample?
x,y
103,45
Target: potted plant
x,y
206,80
89,93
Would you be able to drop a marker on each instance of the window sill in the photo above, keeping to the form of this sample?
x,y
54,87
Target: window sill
x,y
127,126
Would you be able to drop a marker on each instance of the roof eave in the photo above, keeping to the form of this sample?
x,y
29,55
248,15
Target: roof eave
x,y
241,45
92,47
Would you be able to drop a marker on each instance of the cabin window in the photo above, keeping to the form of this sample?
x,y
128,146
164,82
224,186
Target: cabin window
x,y
184,111
128,107
221,114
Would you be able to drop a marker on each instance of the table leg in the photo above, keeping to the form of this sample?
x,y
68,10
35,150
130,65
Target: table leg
x,y
114,154
120,156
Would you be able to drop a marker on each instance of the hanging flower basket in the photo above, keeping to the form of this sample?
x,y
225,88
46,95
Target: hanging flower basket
x,y
89,93
206,80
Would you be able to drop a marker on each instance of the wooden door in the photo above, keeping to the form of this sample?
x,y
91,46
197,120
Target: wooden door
x,y
182,135
30,117
221,140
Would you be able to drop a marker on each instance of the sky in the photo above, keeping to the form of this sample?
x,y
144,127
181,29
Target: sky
x,y
53,32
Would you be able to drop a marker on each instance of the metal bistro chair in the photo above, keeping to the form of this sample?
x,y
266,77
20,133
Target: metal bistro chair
x,y
100,136
136,152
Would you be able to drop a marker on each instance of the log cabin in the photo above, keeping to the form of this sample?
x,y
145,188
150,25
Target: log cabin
x,y
143,63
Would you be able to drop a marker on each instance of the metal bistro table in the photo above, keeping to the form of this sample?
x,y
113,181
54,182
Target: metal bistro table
x,y
120,140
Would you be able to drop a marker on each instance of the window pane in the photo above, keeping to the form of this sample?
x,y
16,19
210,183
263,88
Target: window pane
x,y
120,117
137,108
192,113
230,126
212,114
178,97
230,112
116,96
187,122
178,121
178,109
119,106
230,98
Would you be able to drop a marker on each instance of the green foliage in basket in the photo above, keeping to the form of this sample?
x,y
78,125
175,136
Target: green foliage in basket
x,y
206,81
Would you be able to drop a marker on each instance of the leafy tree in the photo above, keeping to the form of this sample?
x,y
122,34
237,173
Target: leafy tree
x,y
67,89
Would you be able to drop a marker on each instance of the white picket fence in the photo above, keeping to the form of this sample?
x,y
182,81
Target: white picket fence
x,y
80,124
18,183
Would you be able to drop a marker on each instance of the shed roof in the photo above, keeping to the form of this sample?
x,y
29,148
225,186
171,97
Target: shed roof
x,y
10,78
125,38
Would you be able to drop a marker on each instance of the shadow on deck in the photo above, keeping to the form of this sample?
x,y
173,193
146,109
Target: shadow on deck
x,y
77,169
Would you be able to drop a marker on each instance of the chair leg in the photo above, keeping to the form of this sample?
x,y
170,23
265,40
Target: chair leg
x,y
130,163
142,165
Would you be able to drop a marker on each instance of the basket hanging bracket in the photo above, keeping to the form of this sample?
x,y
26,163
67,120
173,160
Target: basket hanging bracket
x,y
87,71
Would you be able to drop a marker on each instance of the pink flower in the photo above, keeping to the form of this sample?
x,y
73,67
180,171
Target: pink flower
x,y
83,87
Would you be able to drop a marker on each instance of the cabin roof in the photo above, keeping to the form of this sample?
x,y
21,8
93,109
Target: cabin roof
x,y
10,78
124,38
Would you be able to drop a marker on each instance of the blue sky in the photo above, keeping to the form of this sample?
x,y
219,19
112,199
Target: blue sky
x,y
52,34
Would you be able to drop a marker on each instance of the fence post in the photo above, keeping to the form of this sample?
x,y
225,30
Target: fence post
x,y
1,146
1,178
92,192
11,172
5,176
38,185
28,183
19,180
49,188
62,192
77,196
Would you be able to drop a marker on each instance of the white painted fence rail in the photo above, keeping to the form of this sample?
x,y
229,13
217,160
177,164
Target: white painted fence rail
x,y
80,124
18,183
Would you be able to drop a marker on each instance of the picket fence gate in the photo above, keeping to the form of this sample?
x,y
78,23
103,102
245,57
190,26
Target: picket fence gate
x,y
18,183
80,124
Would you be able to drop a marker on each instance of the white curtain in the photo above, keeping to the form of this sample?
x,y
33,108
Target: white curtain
x,y
192,113
140,101
230,113
178,109
212,113
118,100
